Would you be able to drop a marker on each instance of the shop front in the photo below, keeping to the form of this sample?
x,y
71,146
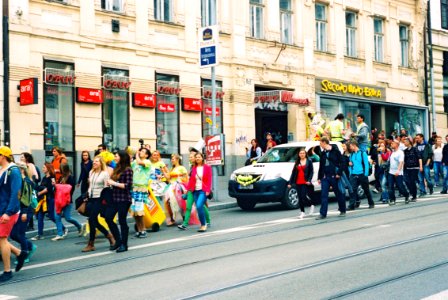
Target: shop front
x,y
351,99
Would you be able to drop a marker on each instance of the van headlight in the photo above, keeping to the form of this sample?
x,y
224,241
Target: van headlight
x,y
233,176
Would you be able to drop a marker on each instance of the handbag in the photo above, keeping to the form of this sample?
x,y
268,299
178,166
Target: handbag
x,y
82,209
210,195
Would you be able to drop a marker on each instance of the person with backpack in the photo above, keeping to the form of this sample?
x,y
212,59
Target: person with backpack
x,y
34,174
18,232
10,185
64,209
359,174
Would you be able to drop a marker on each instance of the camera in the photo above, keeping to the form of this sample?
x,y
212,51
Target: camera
x,y
141,141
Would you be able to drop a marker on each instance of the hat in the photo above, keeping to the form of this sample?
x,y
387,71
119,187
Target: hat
x,y
5,151
198,146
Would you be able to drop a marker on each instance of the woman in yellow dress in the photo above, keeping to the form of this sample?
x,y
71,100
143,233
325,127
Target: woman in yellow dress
x,y
173,197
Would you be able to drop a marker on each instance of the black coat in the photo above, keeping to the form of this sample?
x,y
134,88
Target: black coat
x,y
335,162
309,171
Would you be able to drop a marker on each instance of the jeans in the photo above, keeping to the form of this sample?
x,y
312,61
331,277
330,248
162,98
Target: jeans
x,y
363,181
384,186
122,209
392,180
344,183
18,232
51,215
438,170
200,198
94,207
190,201
426,174
325,183
411,180
66,212
304,191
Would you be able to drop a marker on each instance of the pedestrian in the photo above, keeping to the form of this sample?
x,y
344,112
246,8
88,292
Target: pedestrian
x,y
302,174
86,166
102,148
426,154
33,171
384,154
359,174
335,129
178,178
66,178
10,185
445,166
432,140
270,140
362,133
344,182
200,184
329,174
121,182
412,166
437,150
141,168
58,159
253,153
159,176
374,159
97,182
395,175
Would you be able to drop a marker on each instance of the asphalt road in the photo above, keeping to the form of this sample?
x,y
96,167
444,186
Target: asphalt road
x,y
394,252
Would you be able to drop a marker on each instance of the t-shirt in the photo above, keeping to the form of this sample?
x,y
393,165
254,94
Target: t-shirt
x,y
178,174
141,173
156,169
438,154
395,159
199,175
301,174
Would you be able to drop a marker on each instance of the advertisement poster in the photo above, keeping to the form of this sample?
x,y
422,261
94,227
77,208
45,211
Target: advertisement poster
x,y
214,149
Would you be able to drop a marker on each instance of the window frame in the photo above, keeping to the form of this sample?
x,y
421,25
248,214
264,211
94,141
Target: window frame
x,y
444,14
255,30
378,40
206,13
404,45
321,26
286,24
106,3
351,30
159,10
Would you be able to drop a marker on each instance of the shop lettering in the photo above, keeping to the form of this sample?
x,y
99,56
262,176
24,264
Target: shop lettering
x,y
208,111
168,90
263,99
54,90
111,96
53,78
26,88
207,94
356,90
165,107
115,84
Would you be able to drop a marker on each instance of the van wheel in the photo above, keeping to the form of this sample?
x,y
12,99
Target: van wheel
x,y
246,204
291,199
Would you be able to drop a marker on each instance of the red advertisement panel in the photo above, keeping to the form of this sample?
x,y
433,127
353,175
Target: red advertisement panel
x,y
90,96
144,100
192,104
28,91
214,149
166,107
208,110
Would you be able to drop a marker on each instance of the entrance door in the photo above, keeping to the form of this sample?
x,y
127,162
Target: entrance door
x,y
275,122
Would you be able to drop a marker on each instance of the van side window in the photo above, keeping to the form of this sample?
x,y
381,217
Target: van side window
x,y
314,154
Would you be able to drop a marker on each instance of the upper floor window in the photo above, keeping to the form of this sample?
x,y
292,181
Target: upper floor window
x,y
321,27
350,33
286,21
404,43
378,39
208,14
163,10
112,5
256,18
444,13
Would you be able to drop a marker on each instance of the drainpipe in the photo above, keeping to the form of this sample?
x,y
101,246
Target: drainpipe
x,y
431,69
7,137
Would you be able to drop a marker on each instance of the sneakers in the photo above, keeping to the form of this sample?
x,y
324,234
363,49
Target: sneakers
x,y
21,260
6,276
31,253
342,214
302,214
372,206
311,210
65,232
81,230
320,217
406,200
58,238
391,202
142,235
431,190
414,199
37,237
182,227
375,191
202,229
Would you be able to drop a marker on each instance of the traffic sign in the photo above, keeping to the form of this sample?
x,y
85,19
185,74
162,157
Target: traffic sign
x,y
208,44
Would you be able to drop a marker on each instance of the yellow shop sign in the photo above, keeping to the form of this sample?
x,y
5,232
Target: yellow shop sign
x,y
350,89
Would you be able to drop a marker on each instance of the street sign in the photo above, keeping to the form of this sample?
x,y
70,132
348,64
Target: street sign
x,y
208,44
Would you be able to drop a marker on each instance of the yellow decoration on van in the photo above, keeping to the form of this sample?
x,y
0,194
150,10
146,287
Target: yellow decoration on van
x,y
246,180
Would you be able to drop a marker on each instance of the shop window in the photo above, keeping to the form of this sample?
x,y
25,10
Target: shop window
x,y
59,82
444,13
321,27
208,15
115,108
378,39
112,5
163,10
350,33
404,45
286,21
167,114
256,18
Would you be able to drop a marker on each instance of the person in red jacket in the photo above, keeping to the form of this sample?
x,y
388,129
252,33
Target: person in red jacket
x,y
200,184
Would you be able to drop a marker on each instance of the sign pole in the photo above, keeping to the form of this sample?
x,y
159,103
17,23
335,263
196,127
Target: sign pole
x,y
214,171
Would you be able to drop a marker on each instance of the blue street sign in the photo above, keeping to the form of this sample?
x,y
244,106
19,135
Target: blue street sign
x,y
208,56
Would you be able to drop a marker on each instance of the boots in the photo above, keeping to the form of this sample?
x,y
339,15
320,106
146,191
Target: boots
x,y
111,239
89,247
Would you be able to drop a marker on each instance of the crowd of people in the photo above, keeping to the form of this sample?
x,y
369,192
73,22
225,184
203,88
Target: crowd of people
x,y
111,186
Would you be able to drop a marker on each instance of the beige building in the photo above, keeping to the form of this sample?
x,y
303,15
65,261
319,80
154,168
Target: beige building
x,y
116,71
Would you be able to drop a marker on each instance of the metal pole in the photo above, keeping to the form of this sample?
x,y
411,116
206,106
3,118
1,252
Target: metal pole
x,y
431,68
213,22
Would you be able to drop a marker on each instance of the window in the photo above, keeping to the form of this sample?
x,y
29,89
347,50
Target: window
x,y
444,13
286,21
167,114
350,33
112,5
404,42
115,108
445,81
208,15
207,107
378,39
256,18
321,27
162,10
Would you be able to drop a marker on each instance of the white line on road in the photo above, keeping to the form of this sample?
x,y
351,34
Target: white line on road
x,y
7,297
440,296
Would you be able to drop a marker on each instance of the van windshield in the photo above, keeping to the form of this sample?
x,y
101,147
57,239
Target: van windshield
x,y
278,155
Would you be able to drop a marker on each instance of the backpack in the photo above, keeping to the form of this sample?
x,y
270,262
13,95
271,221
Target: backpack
x,y
26,193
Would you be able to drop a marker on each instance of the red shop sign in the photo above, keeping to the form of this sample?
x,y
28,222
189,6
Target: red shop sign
x,y
89,95
168,90
166,107
288,97
57,79
207,94
28,91
116,84
143,100
208,111
192,104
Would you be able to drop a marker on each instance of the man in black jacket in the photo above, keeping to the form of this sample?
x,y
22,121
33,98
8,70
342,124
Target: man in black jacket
x,y
412,166
329,174
426,155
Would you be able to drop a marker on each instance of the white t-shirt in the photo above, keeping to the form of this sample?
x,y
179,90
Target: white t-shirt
x,y
395,159
199,174
437,153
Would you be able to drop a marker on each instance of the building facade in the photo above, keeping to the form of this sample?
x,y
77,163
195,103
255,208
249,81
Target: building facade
x,y
116,71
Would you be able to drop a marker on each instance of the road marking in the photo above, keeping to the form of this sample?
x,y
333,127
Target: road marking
x,y
7,297
439,296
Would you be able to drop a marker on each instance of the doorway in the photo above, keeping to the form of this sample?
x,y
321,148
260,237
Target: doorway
x,y
275,122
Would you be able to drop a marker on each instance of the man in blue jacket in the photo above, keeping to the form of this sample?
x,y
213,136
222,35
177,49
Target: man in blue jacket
x,y
359,174
10,186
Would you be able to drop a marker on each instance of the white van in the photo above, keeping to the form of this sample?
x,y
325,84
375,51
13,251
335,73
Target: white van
x,y
266,180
